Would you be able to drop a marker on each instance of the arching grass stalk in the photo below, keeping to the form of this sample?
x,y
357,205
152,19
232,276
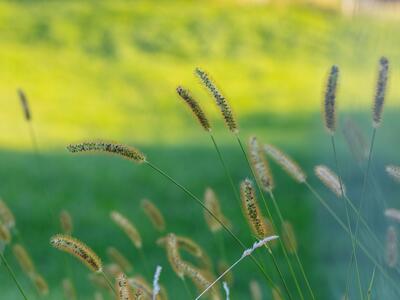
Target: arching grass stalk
x,y
353,253
272,221
11,272
369,292
110,285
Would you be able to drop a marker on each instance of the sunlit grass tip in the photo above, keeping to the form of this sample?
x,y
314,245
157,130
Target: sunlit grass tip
x,y
154,214
125,151
220,100
380,93
288,164
6,216
128,227
329,179
5,235
78,249
260,164
330,99
195,107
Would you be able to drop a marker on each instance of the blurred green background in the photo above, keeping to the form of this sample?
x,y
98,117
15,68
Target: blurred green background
x,y
109,69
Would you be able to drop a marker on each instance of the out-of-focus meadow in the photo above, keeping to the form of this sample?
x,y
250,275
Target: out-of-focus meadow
x,y
109,69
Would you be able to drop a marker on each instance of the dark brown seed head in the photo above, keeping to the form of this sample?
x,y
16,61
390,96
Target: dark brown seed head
x,y
380,91
330,99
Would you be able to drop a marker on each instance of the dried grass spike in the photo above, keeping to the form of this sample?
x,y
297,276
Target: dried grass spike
x,y
128,227
154,214
41,285
380,91
289,237
260,165
222,103
391,247
329,179
66,222
173,255
123,288
69,289
25,105
195,107
330,99
251,209
394,172
118,258
290,166
5,235
6,216
79,250
211,201
24,259
108,147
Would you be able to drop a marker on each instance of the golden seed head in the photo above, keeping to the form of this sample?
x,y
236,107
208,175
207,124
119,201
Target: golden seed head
x,y
5,235
330,99
69,289
6,216
173,255
251,209
24,259
127,226
195,107
289,237
40,284
154,214
25,105
260,165
143,289
220,100
330,180
66,222
391,247
123,288
380,93
78,249
290,166
211,201
108,147
118,258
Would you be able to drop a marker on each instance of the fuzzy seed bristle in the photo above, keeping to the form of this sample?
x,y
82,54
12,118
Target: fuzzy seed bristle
x,y
393,214
220,100
195,107
24,259
108,147
260,165
118,258
380,93
255,290
391,247
211,201
289,165
289,237
5,235
6,216
66,222
128,227
41,285
330,99
251,209
78,249
173,255
124,290
329,179
143,290
154,214
25,105
394,172
69,289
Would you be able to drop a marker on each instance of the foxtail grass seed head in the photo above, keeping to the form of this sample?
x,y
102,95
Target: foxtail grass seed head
x,y
289,237
24,260
220,100
69,289
393,214
195,107
5,235
211,201
391,247
156,280
251,209
118,258
6,216
330,99
289,165
79,250
124,290
41,284
108,147
128,227
25,105
394,172
260,165
154,214
138,283
255,290
380,91
173,255
329,179
66,222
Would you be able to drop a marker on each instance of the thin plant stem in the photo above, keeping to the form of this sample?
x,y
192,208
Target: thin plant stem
x,y
190,294
191,195
272,222
219,239
353,253
108,282
369,292
290,242
11,272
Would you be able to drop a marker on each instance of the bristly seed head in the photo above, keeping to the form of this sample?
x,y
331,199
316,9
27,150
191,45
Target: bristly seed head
x,y
260,165
330,180
40,284
24,259
330,99
6,216
79,250
25,105
195,107
5,235
391,247
66,222
123,288
212,203
220,100
394,172
380,93
118,258
154,214
112,148
128,227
